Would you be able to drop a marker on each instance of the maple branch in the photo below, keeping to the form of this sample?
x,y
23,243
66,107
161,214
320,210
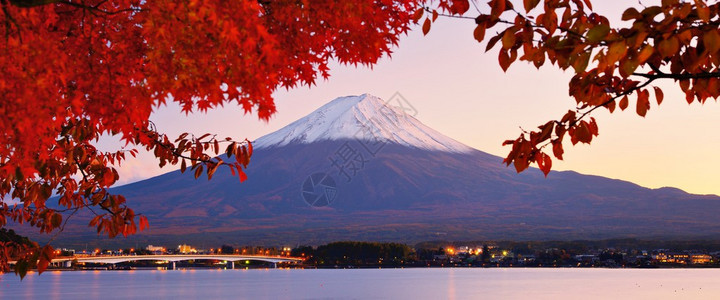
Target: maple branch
x,y
96,9
604,104
535,25
651,77
625,93
31,3
62,227
175,152
427,9
661,75
157,139
84,175
531,22
476,6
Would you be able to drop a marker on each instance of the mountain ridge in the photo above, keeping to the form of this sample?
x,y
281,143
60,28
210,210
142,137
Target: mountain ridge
x,y
402,189
361,117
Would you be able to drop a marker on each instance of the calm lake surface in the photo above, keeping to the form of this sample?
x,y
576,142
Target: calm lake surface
x,y
448,283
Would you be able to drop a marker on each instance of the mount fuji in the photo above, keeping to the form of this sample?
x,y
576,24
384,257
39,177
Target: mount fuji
x,y
359,168
346,118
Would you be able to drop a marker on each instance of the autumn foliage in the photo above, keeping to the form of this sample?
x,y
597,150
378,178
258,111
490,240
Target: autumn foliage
x,y
76,70
614,67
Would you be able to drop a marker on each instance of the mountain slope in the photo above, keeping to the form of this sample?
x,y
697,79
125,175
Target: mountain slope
x,y
361,117
405,182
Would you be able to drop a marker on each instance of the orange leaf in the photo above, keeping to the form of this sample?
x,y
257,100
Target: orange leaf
x,y
630,13
684,85
568,117
504,60
581,133
558,149
658,95
627,67
530,4
593,127
544,162
643,102
508,39
616,52
249,148
668,47
497,7
644,54
479,32
460,6
550,21
56,220
491,43
581,62
623,103
426,27
703,11
545,131
241,174
689,96
418,14
198,171
598,33
611,106
211,170
711,40
47,253
521,163
143,223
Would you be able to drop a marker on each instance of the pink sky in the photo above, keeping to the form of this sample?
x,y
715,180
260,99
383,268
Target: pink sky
x,y
460,90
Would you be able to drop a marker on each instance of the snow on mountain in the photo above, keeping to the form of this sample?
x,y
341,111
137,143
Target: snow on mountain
x,y
361,117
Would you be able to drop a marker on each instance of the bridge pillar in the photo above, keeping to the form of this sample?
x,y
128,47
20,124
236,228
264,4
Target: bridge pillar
x,y
231,265
171,266
274,265
67,264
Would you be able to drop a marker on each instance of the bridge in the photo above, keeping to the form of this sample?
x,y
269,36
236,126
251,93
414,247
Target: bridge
x,y
173,258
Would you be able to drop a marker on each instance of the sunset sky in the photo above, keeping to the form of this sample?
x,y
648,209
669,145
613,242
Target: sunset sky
x,y
461,91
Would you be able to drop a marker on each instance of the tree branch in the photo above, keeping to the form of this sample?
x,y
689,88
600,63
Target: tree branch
x,y
660,75
94,8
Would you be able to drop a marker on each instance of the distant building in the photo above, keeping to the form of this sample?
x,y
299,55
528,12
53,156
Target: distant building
x,y
155,249
700,258
660,257
671,257
186,249
678,258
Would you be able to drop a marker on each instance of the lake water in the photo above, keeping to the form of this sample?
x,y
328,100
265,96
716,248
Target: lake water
x,y
448,283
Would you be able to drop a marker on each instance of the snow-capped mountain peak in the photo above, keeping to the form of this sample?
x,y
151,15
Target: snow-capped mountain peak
x,y
361,117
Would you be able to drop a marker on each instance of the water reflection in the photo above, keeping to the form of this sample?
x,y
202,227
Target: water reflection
x,y
451,285
459,283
